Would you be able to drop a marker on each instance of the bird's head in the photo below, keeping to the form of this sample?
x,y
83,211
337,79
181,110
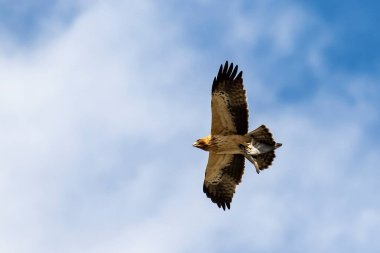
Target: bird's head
x,y
203,143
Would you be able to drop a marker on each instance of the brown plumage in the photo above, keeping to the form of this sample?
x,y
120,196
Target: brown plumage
x,y
230,143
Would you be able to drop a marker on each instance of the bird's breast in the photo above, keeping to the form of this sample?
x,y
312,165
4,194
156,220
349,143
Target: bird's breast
x,y
229,144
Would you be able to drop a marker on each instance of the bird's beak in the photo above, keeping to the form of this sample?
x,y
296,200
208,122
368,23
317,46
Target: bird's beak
x,y
195,144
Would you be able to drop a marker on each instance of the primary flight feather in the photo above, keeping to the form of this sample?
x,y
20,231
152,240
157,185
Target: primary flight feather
x,y
229,142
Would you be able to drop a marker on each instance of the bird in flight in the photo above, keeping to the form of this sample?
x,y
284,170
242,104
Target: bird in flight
x,y
230,142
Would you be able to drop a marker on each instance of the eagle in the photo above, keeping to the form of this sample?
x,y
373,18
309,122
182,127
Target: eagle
x,y
230,142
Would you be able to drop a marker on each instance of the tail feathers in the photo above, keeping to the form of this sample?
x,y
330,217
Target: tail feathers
x,y
265,160
263,135
277,145
262,161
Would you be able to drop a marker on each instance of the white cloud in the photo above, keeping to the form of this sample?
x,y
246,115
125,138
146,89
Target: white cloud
x,y
91,115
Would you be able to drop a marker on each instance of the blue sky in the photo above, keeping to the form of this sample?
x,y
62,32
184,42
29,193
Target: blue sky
x,y
101,101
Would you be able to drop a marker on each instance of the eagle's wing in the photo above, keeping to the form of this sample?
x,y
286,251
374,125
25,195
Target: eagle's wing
x,y
229,102
223,173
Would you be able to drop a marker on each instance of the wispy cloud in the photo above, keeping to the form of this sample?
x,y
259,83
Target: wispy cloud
x,y
99,115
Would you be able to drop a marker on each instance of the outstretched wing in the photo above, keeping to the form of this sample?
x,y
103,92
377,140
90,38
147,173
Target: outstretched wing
x,y
223,173
229,102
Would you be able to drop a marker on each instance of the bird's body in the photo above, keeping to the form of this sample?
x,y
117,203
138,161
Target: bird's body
x,y
229,142
224,144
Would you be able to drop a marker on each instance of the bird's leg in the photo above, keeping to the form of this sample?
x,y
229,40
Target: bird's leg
x,y
250,158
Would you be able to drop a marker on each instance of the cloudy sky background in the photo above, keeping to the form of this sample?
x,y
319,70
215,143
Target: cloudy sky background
x,y
100,102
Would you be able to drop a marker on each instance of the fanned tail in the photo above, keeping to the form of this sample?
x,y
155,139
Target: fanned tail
x,y
264,146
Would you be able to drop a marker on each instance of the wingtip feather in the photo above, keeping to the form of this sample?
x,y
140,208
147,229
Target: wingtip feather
x,y
239,76
220,71
229,71
234,72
